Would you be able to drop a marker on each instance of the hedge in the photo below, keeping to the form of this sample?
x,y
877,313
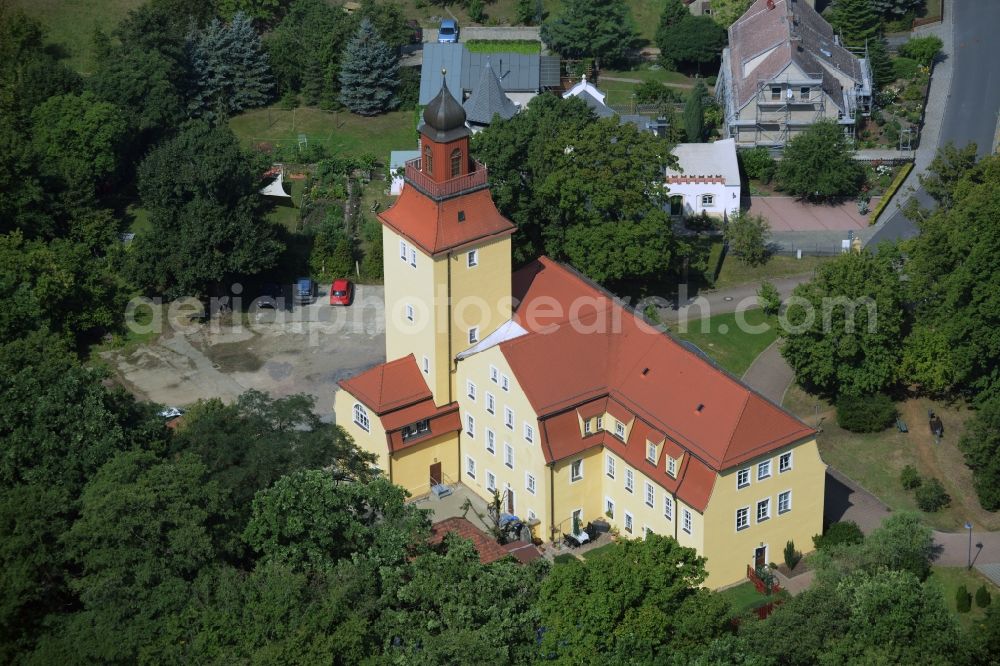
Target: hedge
x,y
865,413
891,191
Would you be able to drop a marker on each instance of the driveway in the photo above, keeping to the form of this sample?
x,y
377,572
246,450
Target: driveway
x,y
791,214
964,100
304,349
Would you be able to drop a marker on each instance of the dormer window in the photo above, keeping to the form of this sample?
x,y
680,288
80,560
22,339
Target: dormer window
x,y
428,160
456,162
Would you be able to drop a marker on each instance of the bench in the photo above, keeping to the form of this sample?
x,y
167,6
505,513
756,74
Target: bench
x,y
901,425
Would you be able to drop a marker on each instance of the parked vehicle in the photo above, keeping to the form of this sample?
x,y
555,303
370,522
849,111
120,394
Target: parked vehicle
x,y
416,31
341,292
305,291
448,32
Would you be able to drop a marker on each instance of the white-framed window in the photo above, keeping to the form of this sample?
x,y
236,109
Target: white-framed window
x,y
576,470
470,425
707,199
600,423
671,466
529,433
785,462
764,469
629,479
620,430
473,335
609,507
409,312
472,258
743,478
609,466
784,502
775,93
413,257
668,507
650,493
491,481
491,441
651,452
494,374
508,455
470,389
742,518
804,92
628,522
427,365
508,417
470,467
763,510
529,483
686,521
361,417
505,382
491,403
403,253
586,426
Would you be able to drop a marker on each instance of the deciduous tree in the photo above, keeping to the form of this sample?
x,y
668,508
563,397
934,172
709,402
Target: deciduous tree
x,y
598,29
981,445
693,43
818,165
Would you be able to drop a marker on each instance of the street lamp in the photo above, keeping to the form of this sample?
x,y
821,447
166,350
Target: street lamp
x,y
968,526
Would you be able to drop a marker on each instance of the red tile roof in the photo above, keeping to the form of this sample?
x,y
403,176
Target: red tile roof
x,y
434,225
389,386
598,349
487,547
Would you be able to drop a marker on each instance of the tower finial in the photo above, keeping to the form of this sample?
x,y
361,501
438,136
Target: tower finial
x,y
444,72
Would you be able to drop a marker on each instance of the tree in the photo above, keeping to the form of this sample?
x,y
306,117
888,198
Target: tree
x,y
856,21
817,165
201,190
638,602
865,413
230,68
598,29
371,265
841,532
768,298
963,600
529,12
333,252
845,326
983,597
747,235
305,49
726,12
575,186
265,12
693,43
694,114
882,70
981,446
931,496
922,49
757,163
369,74
673,12
894,9
388,20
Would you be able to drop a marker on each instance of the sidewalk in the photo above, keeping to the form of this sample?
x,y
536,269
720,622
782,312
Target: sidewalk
x,y
770,375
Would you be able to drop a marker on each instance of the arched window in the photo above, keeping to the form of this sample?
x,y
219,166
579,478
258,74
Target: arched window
x,y
361,417
456,162
428,160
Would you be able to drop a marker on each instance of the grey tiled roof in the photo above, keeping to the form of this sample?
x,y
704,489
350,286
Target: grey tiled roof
x,y
791,32
488,99
518,72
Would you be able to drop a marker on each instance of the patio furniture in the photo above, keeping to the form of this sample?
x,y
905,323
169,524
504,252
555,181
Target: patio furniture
x,y
901,425
577,540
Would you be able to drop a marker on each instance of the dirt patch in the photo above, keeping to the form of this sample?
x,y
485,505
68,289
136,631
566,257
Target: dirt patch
x,y
233,357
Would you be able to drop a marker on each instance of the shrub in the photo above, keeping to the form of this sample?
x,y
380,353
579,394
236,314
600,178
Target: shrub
x,y
963,600
910,478
913,93
846,532
793,556
711,80
865,413
932,497
905,68
983,598
757,163
768,298
747,237
923,49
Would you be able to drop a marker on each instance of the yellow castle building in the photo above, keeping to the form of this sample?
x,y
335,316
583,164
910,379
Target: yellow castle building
x,y
543,387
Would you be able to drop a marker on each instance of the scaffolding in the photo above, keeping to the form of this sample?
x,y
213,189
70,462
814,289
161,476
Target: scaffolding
x,y
785,104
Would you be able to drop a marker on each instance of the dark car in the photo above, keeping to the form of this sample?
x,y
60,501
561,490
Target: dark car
x,y
305,291
416,31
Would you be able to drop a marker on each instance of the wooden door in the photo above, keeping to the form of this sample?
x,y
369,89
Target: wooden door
x,y
759,557
435,474
510,501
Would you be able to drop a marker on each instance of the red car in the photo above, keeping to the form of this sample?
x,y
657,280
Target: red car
x,y
341,292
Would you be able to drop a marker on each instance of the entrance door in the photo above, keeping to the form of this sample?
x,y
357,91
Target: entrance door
x,y
760,557
435,474
510,501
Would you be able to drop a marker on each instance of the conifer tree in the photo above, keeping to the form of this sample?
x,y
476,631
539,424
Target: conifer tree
x,y
369,73
855,20
694,114
230,68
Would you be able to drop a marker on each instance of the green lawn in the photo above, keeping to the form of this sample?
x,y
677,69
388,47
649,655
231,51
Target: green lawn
x,y
524,46
949,578
285,215
745,597
71,24
600,550
726,341
620,92
735,272
342,132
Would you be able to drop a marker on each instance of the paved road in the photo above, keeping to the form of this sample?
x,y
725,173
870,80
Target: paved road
x,y
965,97
724,301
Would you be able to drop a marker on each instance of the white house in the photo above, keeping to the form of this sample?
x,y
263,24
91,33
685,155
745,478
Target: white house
x,y
397,161
707,179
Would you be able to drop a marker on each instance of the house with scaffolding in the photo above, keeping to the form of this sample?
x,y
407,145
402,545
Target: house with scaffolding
x,y
784,70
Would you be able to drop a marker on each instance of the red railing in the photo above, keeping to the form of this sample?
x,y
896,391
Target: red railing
x,y
472,180
759,584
